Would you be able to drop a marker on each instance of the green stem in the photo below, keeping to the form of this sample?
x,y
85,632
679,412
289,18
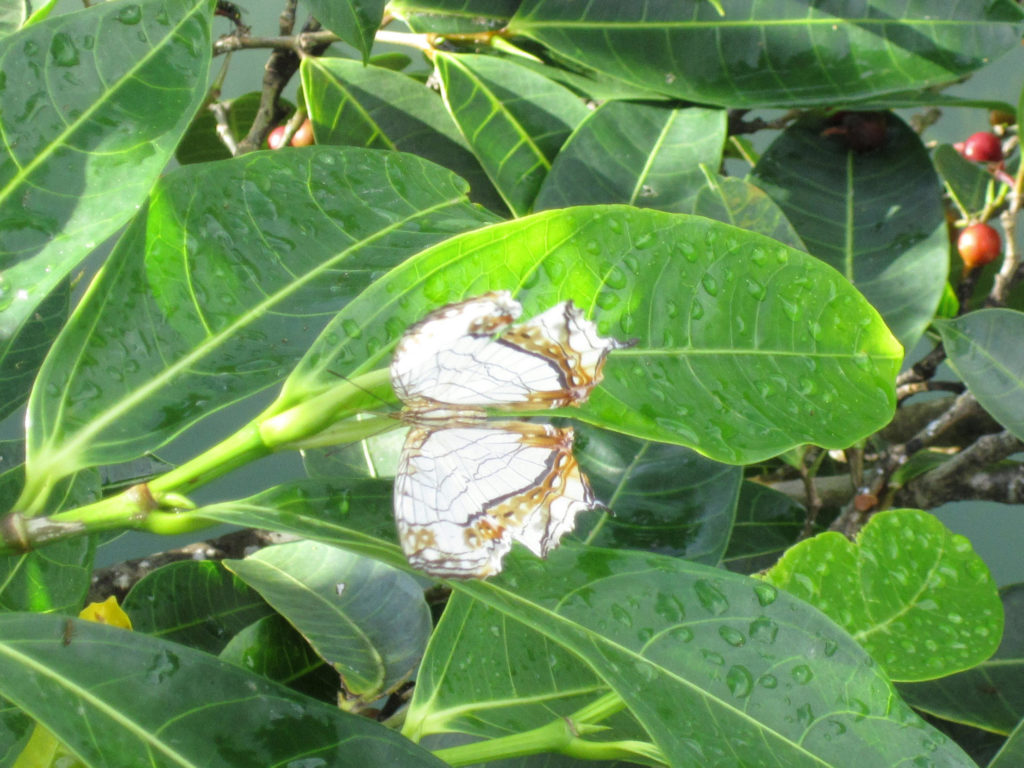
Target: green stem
x,y
563,735
159,506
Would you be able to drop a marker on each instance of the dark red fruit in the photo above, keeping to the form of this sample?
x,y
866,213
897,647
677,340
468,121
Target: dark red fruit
x,y
978,244
862,131
983,147
275,139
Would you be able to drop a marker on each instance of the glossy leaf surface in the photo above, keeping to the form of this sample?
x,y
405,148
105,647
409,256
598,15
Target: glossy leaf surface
x,y
79,149
514,120
195,603
740,203
213,296
989,695
644,155
767,524
984,350
359,106
87,693
22,355
460,16
365,618
272,648
715,667
765,52
745,347
661,498
914,594
354,21
874,215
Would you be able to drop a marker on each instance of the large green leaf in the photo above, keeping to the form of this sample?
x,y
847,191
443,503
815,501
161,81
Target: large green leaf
x,y
718,669
984,349
222,286
454,16
365,618
373,107
21,358
1012,753
644,155
967,181
514,119
876,215
93,105
120,698
354,21
989,695
767,52
661,498
915,595
198,604
745,347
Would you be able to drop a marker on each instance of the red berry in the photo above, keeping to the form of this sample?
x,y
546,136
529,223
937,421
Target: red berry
x,y
304,136
275,139
978,244
983,147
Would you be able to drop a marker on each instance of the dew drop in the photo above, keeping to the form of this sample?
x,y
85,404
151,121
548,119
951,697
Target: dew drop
x,y
63,50
621,615
710,597
765,593
713,658
739,680
696,310
764,630
689,251
130,14
351,329
682,634
768,681
802,674
732,636
755,289
645,241
710,284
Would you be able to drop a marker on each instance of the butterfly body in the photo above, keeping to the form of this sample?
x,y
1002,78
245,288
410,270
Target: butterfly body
x,y
466,488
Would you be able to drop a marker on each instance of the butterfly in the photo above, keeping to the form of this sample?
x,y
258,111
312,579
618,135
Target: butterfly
x,y
466,487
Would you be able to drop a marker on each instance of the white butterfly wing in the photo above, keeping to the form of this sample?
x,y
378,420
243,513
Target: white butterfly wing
x,y
453,358
464,493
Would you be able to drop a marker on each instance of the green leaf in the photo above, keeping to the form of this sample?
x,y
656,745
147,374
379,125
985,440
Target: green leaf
x,y
644,155
743,205
354,21
79,153
967,181
984,350
514,120
663,498
454,16
1012,753
243,260
272,648
359,106
876,215
21,357
744,345
123,698
914,594
764,53
15,730
767,524
714,666
365,618
989,695
195,603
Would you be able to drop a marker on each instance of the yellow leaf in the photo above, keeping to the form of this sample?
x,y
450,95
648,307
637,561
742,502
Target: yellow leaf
x,y
107,612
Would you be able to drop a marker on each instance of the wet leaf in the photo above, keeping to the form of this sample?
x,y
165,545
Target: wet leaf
x,y
771,54
874,215
914,594
123,698
365,618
